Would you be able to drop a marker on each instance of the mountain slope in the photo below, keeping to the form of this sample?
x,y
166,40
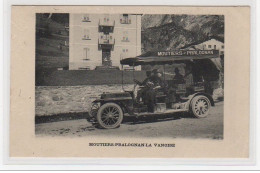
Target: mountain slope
x,y
167,32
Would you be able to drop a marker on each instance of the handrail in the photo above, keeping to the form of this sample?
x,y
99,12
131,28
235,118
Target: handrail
x,y
122,77
102,42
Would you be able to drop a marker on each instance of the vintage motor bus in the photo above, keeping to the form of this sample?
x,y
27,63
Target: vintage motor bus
x,y
109,110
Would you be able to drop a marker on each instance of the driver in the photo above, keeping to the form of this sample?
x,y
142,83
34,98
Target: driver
x,y
156,78
147,79
146,83
151,92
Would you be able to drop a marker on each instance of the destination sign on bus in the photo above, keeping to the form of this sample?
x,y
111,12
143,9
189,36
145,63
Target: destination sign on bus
x,y
188,52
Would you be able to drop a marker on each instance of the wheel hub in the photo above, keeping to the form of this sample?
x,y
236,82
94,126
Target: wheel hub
x,y
201,104
110,115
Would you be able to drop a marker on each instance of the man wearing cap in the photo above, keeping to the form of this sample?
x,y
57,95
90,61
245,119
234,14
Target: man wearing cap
x,y
145,83
151,92
156,78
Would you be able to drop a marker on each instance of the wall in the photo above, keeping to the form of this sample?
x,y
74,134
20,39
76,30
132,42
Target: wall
x,y
48,77
53,100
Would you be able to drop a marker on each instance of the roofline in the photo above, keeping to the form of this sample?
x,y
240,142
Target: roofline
x,y
197,43
215,39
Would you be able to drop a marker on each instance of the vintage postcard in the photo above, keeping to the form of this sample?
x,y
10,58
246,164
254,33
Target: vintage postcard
x,y
130,81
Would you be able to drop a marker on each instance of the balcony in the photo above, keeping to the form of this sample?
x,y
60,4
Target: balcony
x,y
106,27
106,43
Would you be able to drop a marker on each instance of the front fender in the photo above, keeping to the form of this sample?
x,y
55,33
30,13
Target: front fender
x,y
125,103
199,93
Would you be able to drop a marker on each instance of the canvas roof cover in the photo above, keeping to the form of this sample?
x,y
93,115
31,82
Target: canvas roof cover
x,y
169,57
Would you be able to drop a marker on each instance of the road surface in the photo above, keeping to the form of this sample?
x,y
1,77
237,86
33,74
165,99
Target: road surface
x,y
175,126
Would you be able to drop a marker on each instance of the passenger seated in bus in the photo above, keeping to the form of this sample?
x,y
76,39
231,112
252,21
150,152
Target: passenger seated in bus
x,y
189,81
178,78
181,84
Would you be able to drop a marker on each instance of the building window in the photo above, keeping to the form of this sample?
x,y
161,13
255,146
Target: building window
x,y
221,52
86,35
125,36
86,18
209,46
125,50
222,46
124,53
125,19
86,54
215,46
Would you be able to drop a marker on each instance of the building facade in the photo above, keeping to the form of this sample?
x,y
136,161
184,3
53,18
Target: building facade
x,y
101,40
210,44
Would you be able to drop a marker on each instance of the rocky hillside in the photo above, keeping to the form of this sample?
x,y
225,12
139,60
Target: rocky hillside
x,y
167,32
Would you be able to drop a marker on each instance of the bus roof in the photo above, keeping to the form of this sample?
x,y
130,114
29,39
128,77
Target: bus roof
x,y
169,57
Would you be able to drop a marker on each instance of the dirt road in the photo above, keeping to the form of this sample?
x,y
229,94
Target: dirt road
x,y
175,126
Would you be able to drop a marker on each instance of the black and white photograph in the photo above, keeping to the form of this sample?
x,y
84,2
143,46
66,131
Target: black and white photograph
x,y
152,82
129,75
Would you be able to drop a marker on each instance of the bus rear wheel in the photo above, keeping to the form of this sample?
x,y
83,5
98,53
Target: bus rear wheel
x,y
200,106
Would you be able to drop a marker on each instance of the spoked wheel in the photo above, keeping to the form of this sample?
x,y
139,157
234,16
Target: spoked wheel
x,y
110,116
200,106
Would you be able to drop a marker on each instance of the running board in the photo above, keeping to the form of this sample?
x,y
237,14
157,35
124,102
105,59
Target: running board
x,y
169,111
